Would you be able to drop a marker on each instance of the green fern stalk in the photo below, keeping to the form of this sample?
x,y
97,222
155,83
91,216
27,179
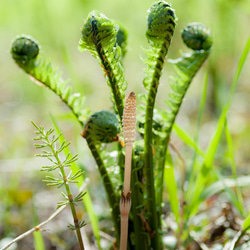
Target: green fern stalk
x,y
197,37
25,52
99,36
161,24
104,127
113,199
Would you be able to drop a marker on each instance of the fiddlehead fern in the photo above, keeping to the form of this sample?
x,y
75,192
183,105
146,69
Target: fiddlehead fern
x,y
24,49
25,52
197,37
104,127
161,24
99,36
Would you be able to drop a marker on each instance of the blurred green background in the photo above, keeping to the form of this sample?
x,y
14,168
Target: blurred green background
x,y
56,25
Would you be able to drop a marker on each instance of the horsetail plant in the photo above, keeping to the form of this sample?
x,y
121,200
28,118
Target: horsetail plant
x,y
106,41
129,126
48,140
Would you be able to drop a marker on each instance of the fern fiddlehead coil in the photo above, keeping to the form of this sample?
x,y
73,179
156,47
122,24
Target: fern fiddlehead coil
x,y
161,24
99,36
102,126
197,36
25,52
24,49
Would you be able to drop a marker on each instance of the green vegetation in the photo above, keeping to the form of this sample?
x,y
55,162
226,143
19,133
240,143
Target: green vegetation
x,y
189,181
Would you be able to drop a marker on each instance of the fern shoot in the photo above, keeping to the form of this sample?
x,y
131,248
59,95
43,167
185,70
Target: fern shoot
x,y
198,37
25,51
101,38
161,24
104,127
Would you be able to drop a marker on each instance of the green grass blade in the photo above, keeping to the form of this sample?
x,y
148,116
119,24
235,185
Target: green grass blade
x,y
238,236
219,186
38,241
37,235
169,178
240,201
232,197
246,223
184,136
87,201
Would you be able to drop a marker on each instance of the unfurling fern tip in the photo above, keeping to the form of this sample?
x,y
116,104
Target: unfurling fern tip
x,y
197,36
23,49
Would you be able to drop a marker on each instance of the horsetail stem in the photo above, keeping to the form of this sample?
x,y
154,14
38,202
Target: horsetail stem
x,y
129,126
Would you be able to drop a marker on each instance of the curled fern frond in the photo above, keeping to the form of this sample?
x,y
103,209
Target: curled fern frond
x,y
102,126
100,36
161,25
197,36
25,52
24,49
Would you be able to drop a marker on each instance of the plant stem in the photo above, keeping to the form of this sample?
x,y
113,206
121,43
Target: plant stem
x,y
153,218
129,126
111,195
141,242
70,197
36,228
109,72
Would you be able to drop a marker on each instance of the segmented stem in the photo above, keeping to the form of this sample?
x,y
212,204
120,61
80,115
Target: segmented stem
x,y
129,126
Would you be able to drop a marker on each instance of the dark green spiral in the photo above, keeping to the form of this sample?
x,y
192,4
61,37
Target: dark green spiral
x,y
161,22
197,36
98,31
23,49
102,126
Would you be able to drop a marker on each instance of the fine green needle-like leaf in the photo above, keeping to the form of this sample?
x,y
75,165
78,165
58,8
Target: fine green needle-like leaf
x,y
87,201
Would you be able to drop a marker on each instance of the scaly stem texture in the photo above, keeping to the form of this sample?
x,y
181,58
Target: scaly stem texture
x,y
129,126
